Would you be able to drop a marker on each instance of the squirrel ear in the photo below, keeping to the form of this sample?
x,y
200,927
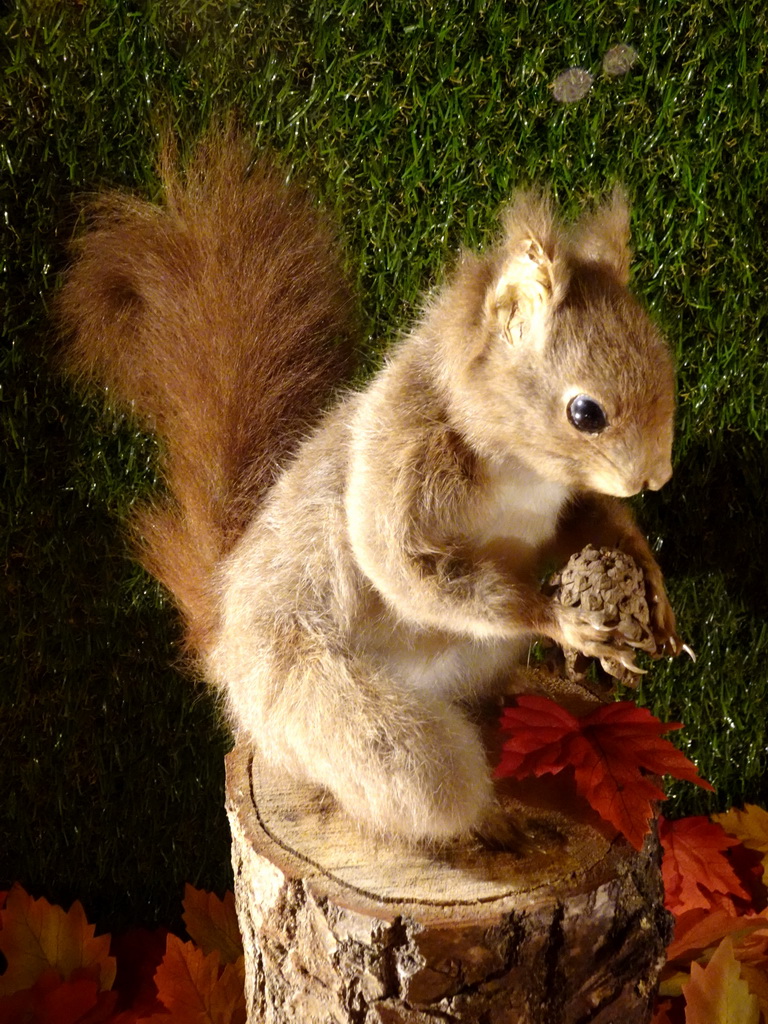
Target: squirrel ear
x,y
522,290
527,281
603,236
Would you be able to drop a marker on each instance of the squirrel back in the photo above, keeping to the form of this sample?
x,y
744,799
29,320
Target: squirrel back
x,y
221,318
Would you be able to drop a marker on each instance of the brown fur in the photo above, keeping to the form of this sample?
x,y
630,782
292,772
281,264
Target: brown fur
x,y
223,319
393,571
350,605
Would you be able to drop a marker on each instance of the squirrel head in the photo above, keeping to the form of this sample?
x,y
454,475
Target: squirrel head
x,y
554,361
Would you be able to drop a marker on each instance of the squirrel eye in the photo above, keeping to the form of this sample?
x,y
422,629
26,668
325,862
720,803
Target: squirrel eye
x,y
586,414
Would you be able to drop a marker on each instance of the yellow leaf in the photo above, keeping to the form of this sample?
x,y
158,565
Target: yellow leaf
x,y
212,923
717,994
37,936
750,826
673,984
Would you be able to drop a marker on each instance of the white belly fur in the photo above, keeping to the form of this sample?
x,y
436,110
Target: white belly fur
x,y
519,507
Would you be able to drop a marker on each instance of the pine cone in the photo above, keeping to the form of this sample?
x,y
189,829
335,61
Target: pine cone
x,y
609,584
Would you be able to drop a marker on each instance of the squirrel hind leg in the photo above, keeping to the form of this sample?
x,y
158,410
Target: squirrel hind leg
x,y
427,781
396,763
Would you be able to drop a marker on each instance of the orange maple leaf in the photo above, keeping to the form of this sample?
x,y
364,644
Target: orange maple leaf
x,y
212,923
36,936
195,989
698,931
717,994
750,826
694,869
610,750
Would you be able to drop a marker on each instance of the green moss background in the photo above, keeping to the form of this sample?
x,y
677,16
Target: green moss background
x,y
412,121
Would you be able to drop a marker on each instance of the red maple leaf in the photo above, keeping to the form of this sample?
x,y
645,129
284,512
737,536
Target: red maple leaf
x,y
664,1011
695,870
610,751
138,952
75,1000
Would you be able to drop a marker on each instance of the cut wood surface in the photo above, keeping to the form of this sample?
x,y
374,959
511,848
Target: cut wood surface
x,y
340,927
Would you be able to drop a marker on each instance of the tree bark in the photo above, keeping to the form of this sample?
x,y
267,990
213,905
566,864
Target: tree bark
x,y
343,928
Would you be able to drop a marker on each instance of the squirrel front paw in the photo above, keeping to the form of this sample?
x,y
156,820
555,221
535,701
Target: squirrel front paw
x,y
587,633
663,623
606,595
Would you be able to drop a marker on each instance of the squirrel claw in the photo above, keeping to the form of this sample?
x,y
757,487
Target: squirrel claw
x,y
627,660
599,624
638,645
671,646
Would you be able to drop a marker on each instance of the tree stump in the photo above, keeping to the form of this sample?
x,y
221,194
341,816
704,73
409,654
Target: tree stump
x,y
343,928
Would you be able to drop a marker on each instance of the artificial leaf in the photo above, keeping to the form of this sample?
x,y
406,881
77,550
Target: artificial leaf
x,y
752,948
750,826
698,930
717,994
196,990
36,936
672,984
212,923
694,868
53,1000
610,751
748,866
757,981
663,1012
138,952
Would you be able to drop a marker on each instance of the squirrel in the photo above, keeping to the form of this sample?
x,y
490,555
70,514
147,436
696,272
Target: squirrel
x,y
354,576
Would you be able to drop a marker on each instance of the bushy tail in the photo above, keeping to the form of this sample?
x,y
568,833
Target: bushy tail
x,y
221,317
